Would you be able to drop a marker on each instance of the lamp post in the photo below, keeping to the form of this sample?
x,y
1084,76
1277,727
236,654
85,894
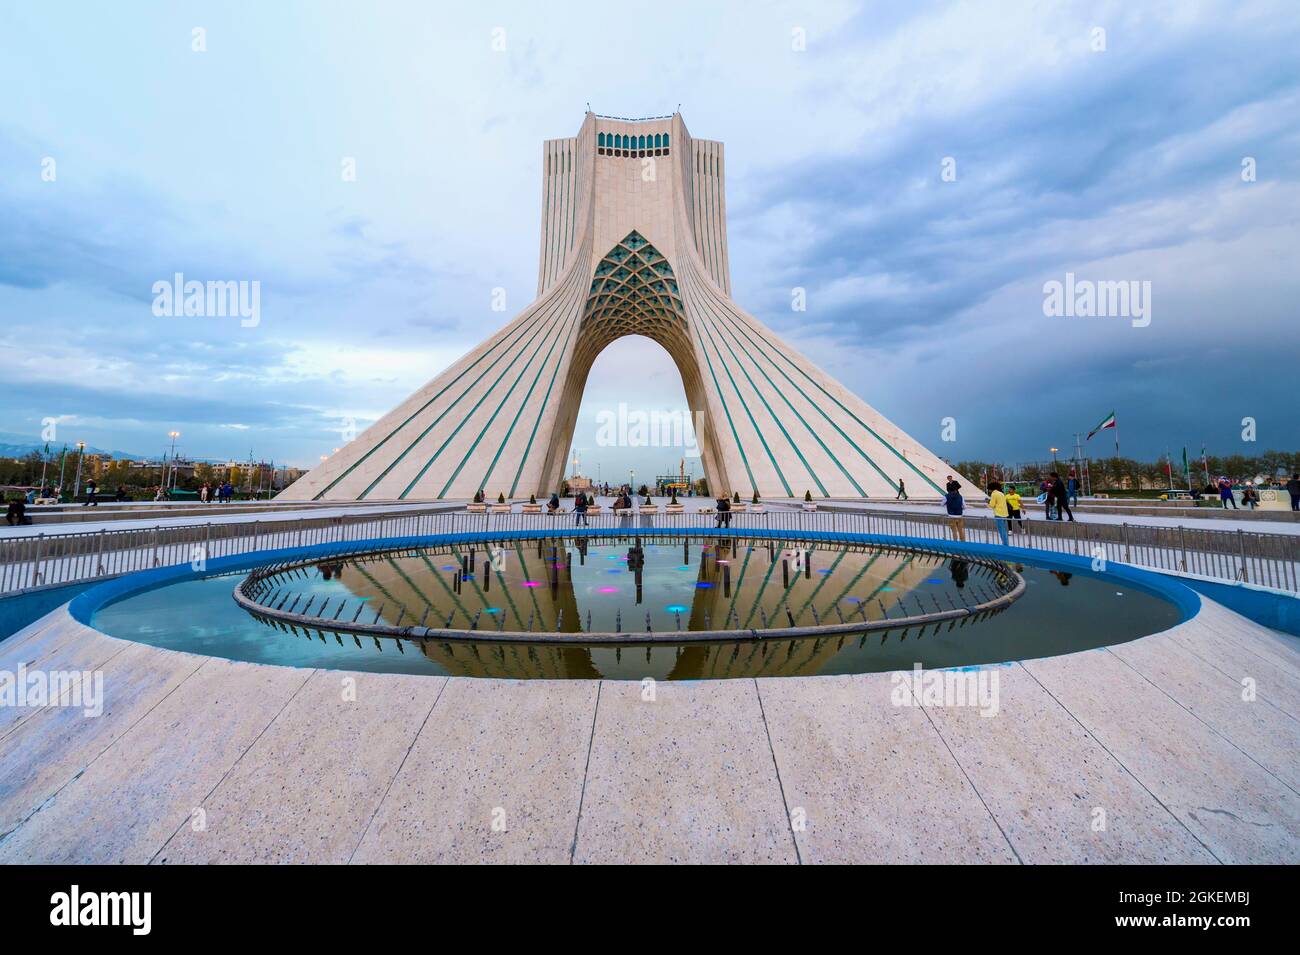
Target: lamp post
x,y
631,482
1055,467
81,453
173,435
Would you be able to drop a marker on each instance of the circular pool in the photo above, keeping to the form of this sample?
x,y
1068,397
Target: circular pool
x,y
602,605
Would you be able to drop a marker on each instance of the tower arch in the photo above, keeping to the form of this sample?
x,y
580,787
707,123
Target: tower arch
x,y
634,291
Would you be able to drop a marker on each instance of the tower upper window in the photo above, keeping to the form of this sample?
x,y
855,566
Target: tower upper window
x,y
620,144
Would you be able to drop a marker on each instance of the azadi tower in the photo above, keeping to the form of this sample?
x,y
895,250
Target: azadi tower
x,y
634,242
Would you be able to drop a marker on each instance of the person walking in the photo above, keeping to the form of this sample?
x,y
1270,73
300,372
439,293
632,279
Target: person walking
x,y
1013,509
902,491
724,512
955,506
1293,488
553,505
998,504
92,489
1057,492
1225,494
580,509
1072,488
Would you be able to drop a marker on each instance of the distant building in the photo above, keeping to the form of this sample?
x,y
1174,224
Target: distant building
x,y
94,465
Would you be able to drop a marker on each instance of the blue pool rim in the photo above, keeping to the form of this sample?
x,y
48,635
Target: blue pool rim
x,y
84,606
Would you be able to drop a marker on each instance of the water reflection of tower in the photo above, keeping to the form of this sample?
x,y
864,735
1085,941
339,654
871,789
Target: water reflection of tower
x,y
636,564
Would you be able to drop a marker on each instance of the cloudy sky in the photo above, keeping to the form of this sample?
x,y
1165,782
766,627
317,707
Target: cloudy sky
x,y
1107,140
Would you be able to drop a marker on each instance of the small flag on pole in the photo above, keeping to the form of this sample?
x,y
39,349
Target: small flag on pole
x,y
1107,422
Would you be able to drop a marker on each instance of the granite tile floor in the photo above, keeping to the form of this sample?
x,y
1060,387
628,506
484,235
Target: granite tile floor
x,y
1179,747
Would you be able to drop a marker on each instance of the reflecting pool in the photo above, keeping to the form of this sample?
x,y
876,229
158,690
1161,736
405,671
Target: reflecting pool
x,y
568,587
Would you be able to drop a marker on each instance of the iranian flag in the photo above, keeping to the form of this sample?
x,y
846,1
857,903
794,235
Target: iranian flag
x,y
1107,422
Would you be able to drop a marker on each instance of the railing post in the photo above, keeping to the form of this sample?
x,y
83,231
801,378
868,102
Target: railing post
x,y
36,559
99,558
1241,551
1124,539
1182,540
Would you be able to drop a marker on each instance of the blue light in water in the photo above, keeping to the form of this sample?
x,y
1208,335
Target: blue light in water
x,y
676,608
933,580
451,567
854,600
491,609
886,588
704,583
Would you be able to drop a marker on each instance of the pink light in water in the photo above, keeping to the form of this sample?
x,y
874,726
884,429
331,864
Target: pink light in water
x,y
608,590
530,583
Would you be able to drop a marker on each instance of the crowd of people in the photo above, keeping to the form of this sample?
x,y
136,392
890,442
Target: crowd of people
x,y
1224,488
220,493
1058,495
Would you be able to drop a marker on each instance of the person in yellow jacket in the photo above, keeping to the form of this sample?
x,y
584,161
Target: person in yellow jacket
x,y
998,504
1013,509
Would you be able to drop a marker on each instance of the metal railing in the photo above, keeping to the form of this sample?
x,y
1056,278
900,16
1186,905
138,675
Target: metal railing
x,y
993,588
46,560
51,560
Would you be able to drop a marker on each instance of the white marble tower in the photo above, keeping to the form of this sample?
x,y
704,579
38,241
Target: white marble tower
x,y
633,241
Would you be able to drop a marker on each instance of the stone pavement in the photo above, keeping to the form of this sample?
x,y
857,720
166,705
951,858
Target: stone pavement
x,y
1143,752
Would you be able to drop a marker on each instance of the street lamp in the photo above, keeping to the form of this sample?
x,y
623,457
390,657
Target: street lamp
x,y
81,453
1055,467
169,477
